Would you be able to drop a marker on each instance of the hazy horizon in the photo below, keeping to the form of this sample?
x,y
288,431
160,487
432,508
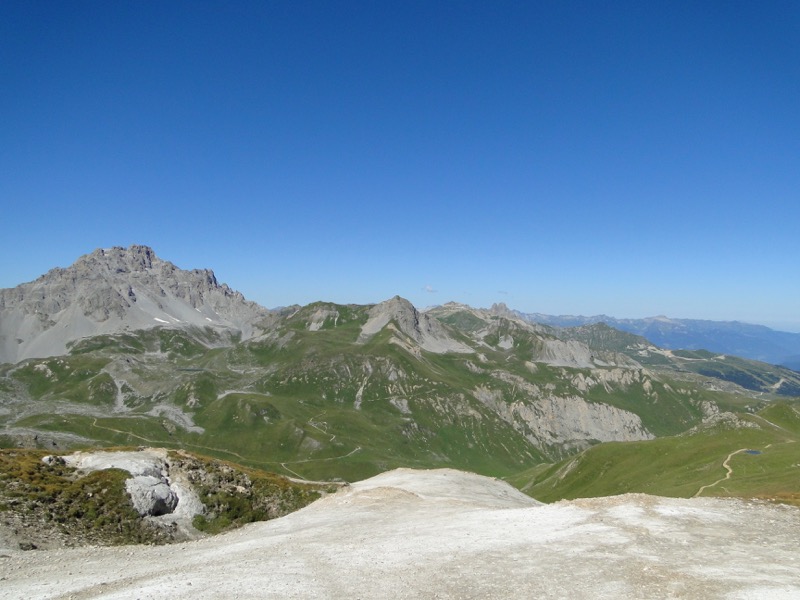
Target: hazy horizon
x,y
786,327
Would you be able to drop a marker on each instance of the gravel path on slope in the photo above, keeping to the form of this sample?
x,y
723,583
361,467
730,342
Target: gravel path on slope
x,y
448,534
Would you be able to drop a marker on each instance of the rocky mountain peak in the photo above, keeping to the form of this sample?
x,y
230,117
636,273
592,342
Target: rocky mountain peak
x,y
138,257
112,290
501,310
425,331
121,260
397,305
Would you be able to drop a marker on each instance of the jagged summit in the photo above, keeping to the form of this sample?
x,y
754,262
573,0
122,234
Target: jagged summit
x,y
113,290
501,310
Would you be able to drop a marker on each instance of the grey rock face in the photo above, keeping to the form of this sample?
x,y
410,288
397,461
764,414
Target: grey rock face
x,y
154,487
151,496
113,290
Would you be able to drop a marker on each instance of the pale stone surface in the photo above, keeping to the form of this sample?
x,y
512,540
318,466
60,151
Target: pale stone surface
x,y
151,496
154,489
448,534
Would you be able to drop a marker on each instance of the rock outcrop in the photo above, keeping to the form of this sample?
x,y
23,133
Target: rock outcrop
x,y
151,491
569,423
151,496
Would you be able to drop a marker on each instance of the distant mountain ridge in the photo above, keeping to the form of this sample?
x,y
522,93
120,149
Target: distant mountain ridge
x,y
756,342
125,347
115,290
125,289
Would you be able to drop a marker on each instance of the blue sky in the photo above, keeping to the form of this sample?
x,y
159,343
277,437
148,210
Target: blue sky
x,y
625,158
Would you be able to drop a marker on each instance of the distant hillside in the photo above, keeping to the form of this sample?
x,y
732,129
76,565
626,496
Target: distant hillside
x,y
746,455
756,342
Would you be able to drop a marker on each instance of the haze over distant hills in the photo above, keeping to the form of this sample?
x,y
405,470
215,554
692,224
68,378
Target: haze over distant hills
x,y
729,337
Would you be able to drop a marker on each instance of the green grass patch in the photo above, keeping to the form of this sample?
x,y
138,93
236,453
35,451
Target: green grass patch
x,y
680,466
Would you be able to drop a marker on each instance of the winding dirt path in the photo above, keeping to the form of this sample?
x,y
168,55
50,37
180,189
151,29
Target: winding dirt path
x,y
726,464
245,459
316,425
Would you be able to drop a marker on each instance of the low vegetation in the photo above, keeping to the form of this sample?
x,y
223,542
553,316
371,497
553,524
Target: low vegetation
x,y
48,503
760,451
234,495
51,501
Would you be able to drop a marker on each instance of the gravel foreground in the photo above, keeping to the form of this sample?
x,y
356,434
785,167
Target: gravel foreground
x,y
449,534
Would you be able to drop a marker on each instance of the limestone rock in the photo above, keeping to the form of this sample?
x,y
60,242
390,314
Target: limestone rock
x,y
151,496
155,487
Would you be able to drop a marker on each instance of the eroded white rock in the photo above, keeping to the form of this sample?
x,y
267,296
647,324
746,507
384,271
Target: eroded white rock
x,y
151,496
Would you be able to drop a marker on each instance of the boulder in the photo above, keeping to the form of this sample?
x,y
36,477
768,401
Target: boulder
x,y
151,496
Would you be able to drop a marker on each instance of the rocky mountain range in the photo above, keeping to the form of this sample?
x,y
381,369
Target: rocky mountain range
x,y
114,290
123,348
756,342
251,414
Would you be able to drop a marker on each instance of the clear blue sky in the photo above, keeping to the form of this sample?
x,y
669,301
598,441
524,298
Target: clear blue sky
x,y
628,158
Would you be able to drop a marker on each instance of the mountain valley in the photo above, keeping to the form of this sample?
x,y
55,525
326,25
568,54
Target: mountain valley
x,y
141,403
171,358
755,342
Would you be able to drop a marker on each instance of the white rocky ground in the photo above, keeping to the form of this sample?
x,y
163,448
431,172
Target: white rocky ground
x,y
449,534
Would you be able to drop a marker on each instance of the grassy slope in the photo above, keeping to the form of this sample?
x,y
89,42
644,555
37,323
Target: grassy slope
x,y
681,465
301,417
95,508
319,405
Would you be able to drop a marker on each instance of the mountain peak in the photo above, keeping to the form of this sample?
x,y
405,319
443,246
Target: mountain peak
x,y
111,290
398,302
426,332
499,309
136,257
